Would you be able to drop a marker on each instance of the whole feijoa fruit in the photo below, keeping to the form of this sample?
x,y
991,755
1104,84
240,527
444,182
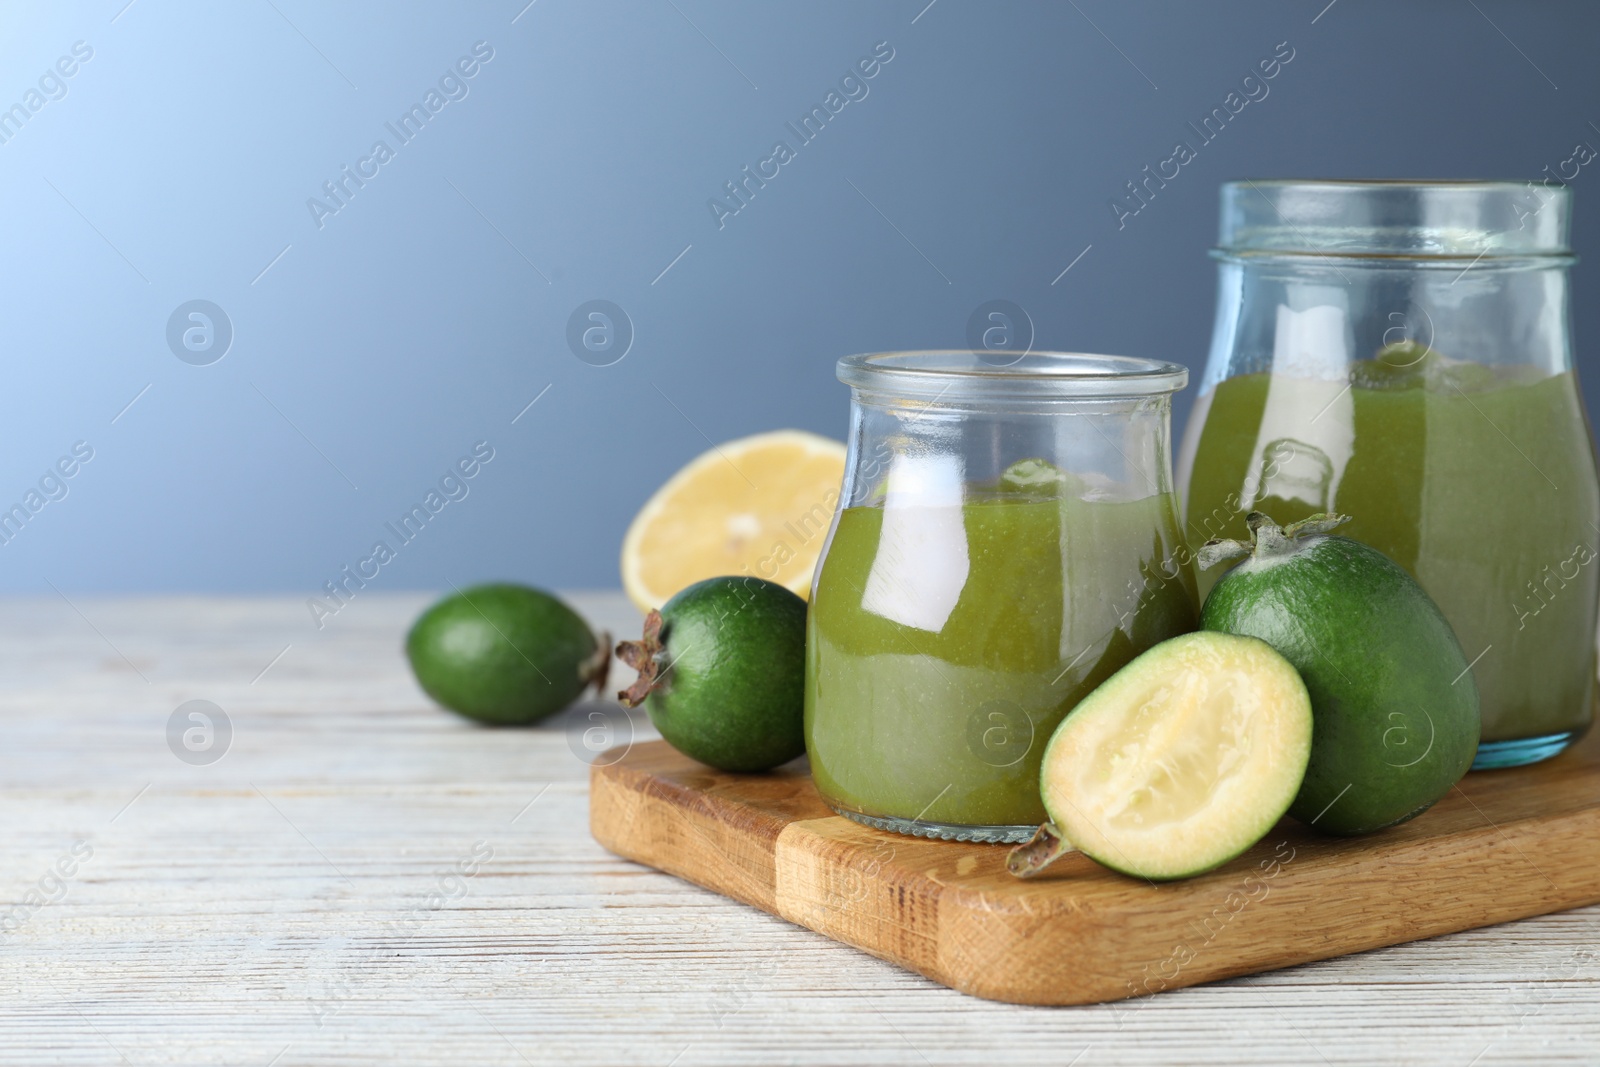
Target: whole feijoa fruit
x,y
722,673
1394,706
506,654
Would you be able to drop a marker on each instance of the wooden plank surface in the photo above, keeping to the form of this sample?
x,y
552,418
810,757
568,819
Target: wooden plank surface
x,y
1081,934
303,897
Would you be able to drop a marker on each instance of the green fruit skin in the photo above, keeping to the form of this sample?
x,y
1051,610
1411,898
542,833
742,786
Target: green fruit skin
x,y
1384,670
733,695
503,654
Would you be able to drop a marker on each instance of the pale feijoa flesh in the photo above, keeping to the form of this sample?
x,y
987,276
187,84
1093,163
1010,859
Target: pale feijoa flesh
x,y
1181,760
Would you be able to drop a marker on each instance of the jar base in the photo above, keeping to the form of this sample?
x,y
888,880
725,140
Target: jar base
x,y
938,831
1494,755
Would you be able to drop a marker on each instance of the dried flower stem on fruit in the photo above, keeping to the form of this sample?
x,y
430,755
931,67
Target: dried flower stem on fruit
x,y
596,670
644,656
1042,849
1266,538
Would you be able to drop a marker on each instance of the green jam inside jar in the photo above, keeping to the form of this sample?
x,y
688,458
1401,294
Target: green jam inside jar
x,y
946,643
1478,480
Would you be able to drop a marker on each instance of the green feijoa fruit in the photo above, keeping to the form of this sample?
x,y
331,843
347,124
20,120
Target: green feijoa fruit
x,y
1177,763
722,673
1392,694
506,654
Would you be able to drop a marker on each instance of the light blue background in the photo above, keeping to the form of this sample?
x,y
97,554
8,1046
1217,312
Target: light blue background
x,y
382,345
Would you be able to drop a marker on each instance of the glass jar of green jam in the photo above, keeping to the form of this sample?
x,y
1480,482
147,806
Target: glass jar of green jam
x,y
1007,538
1398,352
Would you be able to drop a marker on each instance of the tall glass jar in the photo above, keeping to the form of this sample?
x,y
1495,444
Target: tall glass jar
x,y
1008,537
1398,352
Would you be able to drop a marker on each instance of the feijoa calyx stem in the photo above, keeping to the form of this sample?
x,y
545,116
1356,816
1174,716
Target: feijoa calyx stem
x,y
1040,851
596,670
644,656
1267,538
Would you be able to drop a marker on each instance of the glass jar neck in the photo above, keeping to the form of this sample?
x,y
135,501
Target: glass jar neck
x,y
1414,219
1328,317
932,455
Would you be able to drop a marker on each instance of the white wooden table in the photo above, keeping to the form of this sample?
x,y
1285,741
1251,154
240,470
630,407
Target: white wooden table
x,y
363,878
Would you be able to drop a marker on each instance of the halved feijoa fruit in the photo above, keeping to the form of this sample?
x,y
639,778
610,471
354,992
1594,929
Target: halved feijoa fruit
x,y
1395,704
1181,760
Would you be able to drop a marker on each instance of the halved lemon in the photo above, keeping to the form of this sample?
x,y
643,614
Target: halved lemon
x,y
759,505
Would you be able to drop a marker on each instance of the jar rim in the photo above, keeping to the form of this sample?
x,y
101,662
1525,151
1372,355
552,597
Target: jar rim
x,y
964,374
1424,218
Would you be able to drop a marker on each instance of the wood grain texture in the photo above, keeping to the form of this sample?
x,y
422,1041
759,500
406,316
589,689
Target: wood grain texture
x,y
294,900
1080,933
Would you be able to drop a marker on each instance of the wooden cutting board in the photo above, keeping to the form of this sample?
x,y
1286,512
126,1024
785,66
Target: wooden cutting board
x,y
1503,845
